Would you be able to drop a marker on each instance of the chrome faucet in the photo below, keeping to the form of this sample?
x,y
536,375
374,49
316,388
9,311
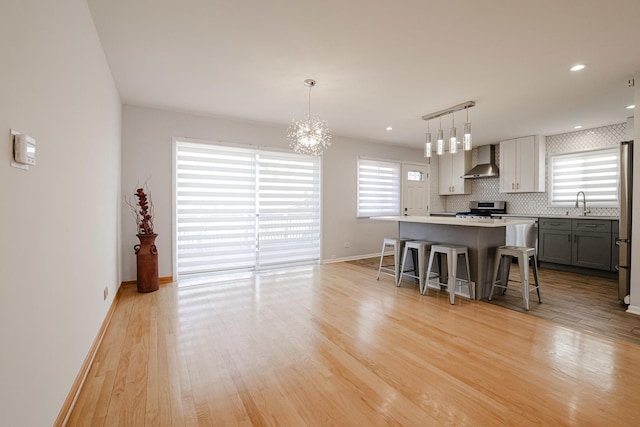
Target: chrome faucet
x,y
585,211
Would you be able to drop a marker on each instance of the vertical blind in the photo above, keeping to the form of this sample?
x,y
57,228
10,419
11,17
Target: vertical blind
x,y
595,172
241,208
378,188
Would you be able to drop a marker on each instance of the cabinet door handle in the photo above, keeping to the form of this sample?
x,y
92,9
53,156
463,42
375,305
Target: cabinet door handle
x,y
513,186
517,185
568,237
590,226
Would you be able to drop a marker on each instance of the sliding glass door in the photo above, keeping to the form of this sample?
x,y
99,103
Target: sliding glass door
x,y
244,209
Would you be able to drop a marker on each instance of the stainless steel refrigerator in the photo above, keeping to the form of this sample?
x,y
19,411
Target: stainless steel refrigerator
x,y
624,236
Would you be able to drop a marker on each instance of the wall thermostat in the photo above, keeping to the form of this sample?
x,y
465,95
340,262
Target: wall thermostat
x,y
24,149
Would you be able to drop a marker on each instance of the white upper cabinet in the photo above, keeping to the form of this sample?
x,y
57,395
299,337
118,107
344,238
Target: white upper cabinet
x,y
522,165
451,168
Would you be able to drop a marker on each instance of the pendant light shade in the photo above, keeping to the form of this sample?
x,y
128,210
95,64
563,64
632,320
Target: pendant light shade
x,y
453,141
466,139
440,141
428,147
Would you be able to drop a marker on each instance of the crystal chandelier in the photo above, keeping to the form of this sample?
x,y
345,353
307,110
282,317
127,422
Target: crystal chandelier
x,y
310,135
453,141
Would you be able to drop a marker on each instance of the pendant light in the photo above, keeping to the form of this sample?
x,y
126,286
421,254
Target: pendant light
x,y
309,135
427,142
453,141
466,139
440,141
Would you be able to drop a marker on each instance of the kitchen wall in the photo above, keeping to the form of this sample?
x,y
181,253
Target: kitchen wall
x,y
537,203
59,220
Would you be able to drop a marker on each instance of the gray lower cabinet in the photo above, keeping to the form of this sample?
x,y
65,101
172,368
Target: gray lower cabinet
x,y
554,240
591,250
580,243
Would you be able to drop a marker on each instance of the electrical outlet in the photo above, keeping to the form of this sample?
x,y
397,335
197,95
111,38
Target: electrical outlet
x,y
105,293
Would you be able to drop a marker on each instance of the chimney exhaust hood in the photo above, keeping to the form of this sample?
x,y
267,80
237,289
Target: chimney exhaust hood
x,y
486,167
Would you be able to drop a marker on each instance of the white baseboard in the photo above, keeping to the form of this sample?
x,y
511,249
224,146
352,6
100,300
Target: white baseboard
x,y
352,258
633,309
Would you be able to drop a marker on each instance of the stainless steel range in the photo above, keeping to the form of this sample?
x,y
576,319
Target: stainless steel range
x,y
484,209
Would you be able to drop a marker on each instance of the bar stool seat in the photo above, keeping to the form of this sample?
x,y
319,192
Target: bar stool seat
x,y
524,255
452,253
391,269
422,248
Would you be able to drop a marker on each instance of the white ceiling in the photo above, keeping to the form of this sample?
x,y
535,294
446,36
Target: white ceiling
x,y
379,63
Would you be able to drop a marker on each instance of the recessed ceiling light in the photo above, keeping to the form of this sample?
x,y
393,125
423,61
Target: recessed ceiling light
x,y
631,107
577,67
578,127
389,128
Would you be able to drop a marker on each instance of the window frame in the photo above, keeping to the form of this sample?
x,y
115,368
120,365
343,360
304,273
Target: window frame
x,y
392,164
584,155
256,152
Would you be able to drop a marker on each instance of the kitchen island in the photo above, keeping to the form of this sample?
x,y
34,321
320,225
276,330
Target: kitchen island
x,y
480,235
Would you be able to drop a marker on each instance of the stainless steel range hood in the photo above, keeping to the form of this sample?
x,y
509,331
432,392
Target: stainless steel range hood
x,y
486,167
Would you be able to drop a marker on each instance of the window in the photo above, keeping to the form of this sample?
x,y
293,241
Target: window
x,y
242,208
595,172
415,176
378,188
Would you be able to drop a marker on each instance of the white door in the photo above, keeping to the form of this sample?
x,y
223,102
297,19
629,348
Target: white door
x,y
415,189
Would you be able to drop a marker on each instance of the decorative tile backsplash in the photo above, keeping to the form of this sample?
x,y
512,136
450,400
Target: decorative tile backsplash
x,y
532,203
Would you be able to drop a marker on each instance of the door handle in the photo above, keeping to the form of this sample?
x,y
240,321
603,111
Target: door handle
x,y
568,237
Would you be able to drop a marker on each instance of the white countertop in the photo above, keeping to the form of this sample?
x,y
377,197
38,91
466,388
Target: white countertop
x,y
609,218
467,222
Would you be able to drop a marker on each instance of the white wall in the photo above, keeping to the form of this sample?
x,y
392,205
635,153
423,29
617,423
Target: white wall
x,y
339,198
147,152
59,221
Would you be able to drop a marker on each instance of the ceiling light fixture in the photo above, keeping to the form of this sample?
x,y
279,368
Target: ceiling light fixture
x,y
389,128
427,142
578,127
453,140
631,107
440,141
310,135
577,67
466,139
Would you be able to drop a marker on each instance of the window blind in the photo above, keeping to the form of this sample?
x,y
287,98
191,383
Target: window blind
x,y
241,208
215,208
595,172
289,208
378,188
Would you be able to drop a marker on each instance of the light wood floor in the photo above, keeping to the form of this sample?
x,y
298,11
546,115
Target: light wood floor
x,y
330,345
578,301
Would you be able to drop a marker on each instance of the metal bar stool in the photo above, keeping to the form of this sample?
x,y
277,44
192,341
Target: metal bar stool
x,y
391,269
422,248
524,255
452,252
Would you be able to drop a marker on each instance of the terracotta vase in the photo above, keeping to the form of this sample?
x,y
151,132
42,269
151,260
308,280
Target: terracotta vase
x,y
147,263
